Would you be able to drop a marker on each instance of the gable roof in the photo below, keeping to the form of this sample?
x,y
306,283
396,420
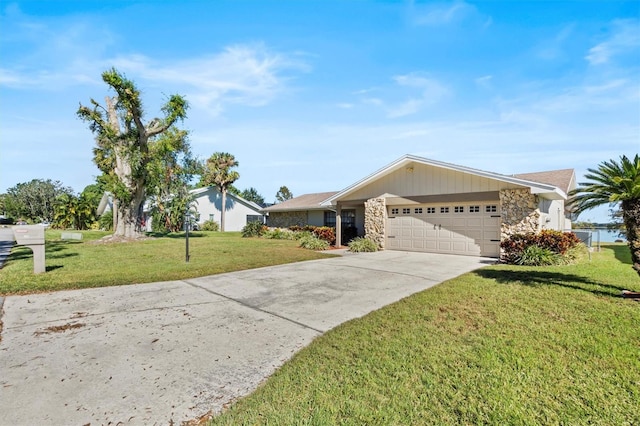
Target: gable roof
x,y
250,204
547,190
563,179
302,202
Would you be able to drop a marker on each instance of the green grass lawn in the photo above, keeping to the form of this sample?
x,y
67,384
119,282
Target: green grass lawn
x,y
83,264
503,345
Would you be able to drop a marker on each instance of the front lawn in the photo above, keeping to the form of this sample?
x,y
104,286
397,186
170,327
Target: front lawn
x,y
82,264
502,345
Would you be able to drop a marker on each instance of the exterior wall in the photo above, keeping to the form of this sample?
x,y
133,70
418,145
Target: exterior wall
x,y
375,215
287,219
519,212
552,215
210,203
315,217
422,179
360,220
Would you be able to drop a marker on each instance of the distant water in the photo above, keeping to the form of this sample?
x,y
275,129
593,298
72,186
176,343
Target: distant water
x,y
606,236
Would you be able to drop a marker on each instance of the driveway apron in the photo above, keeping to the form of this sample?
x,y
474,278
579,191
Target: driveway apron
x,y
168,352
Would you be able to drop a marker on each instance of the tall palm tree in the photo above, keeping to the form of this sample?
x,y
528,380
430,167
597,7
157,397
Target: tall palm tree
x,y
217,172
615,182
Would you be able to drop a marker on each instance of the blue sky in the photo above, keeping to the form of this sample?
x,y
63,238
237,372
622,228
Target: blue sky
x,y
317,95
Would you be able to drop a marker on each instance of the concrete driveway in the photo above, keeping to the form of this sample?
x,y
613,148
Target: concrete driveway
x,y
167,352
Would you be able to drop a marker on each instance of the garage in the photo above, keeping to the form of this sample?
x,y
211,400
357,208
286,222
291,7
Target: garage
x,y
451,228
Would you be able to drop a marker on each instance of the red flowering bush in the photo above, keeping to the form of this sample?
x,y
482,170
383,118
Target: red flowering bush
x,y
552,241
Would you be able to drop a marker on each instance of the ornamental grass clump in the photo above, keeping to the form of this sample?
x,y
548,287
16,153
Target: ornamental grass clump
x,y
312,242
361,245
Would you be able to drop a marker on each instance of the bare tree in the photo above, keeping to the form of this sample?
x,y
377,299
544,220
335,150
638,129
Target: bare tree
x,y
122,149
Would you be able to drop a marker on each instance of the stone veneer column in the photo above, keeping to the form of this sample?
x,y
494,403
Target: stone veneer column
x,y
519,211
375,213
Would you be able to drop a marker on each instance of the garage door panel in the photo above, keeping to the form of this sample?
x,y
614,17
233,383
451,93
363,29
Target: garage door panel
x,y
463,230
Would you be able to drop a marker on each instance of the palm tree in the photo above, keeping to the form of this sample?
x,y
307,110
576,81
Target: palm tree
x,y
615,183
217,172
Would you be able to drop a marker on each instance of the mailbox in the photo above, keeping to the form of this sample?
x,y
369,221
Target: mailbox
x,y
32,236
27,235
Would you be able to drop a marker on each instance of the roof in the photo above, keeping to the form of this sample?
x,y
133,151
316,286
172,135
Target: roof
x,y
302,202
545,189
563,179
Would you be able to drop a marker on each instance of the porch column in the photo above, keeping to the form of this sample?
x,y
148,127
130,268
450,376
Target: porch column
x,y
338,225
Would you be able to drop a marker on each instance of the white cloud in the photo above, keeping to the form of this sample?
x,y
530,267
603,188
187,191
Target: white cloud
x,y
240,74
484,81
625,37
436,14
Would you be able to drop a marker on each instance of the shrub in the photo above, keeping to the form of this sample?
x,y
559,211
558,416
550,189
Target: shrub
x,y
210,225
576,254
538,256
360,244
325,233
106,221
279,234
253,229
556,242
313,243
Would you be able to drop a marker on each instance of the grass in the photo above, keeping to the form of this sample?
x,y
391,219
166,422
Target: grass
x,y
502,345
83,264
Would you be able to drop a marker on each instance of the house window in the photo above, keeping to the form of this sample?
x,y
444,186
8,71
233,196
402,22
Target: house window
x,y
255,218
431,210
491,209
444,209
330,219
406,211
211,217
418,210
458,209
395,211
348,218
474,209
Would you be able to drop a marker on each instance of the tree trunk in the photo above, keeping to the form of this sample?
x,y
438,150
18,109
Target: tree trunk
x,y
222,209
128,214
631,217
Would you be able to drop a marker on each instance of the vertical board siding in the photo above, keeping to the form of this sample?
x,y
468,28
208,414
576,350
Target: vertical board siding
x,y
427,180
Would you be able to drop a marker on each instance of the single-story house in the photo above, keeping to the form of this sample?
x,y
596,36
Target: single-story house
x,y
418,204
207,202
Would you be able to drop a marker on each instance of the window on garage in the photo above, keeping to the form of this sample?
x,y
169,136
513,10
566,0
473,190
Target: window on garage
x,y
491,208
444,209
474,209
417,210
395,211
458,209
431,210
406,211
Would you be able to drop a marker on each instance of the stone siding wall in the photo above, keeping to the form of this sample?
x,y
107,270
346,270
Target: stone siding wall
x,y
374,219
287,219
519,211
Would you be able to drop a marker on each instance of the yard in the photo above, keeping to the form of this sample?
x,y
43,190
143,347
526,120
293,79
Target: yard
x,y
88,263
502,345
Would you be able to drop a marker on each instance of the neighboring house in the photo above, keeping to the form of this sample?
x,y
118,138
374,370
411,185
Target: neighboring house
x,y
208,204
418,204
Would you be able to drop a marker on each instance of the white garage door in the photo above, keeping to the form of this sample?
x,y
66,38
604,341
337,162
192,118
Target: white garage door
x,y
454,228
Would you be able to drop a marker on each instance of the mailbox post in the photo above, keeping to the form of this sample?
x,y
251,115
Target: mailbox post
x,y
32,236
